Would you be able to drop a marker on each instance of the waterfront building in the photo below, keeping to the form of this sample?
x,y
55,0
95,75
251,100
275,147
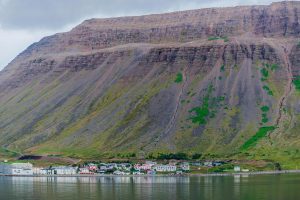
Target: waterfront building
x,y
63,170
185,166
37,170
165,168
16,169
85,171
237,168
144,167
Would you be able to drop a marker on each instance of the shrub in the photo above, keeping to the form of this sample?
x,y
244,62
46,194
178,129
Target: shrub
x,y
222,168
296,82
264,118
268,90
196,156
179,78
264,72
265,108
222,68
224,38
169,156
213,38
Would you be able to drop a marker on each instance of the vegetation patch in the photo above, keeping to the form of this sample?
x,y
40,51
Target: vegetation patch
x,y
296,82
193,94
179,78
8,153
264,72
264,118
126,155
271,66
222,68
176,156
268,90
224,38
207,109
261,133
221,168
201,113
265,108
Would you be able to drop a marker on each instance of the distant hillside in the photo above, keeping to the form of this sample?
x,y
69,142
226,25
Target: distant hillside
x,y
222,82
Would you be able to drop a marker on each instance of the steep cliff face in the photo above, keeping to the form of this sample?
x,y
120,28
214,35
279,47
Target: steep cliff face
x,y
196,81
278,19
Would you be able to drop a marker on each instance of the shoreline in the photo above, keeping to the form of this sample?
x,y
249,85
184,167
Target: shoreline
x,y
165,175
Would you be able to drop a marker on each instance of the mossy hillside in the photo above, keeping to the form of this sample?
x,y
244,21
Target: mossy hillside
x,y
229,124
21,105
46,125
6,153
61,115
266,71
132,123
102,104
15,103
271,84
124,139
184,132
287,156
200,114
221,132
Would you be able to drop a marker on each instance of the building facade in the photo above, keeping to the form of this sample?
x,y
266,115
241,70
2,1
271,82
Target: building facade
x,y
165,168
16,169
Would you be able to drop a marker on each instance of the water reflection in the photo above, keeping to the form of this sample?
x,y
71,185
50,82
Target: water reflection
x,y
230,187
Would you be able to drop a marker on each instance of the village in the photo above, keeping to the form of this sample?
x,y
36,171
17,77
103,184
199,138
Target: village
x,y
146,168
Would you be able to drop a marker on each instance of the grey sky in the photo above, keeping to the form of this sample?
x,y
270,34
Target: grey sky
x,y
25,21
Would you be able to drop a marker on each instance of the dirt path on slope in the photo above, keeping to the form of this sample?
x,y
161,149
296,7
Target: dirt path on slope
x,y
174,115
288,88
172,121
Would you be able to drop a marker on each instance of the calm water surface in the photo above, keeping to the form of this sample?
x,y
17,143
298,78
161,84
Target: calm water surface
x,y
285,187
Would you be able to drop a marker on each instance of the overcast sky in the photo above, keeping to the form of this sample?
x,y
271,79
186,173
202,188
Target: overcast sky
x,y
23,22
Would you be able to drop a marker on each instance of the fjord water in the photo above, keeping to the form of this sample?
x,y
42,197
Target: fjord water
x,y
285,187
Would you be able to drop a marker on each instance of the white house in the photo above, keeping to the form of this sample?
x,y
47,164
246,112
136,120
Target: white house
x,y
16,169
37,170
144,167
47,171
62,170
237,168
149,162
185,166
117,172
165,168
85,171
123,166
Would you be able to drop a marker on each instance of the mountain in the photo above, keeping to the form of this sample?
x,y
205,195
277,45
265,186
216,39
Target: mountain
x,y
222,82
